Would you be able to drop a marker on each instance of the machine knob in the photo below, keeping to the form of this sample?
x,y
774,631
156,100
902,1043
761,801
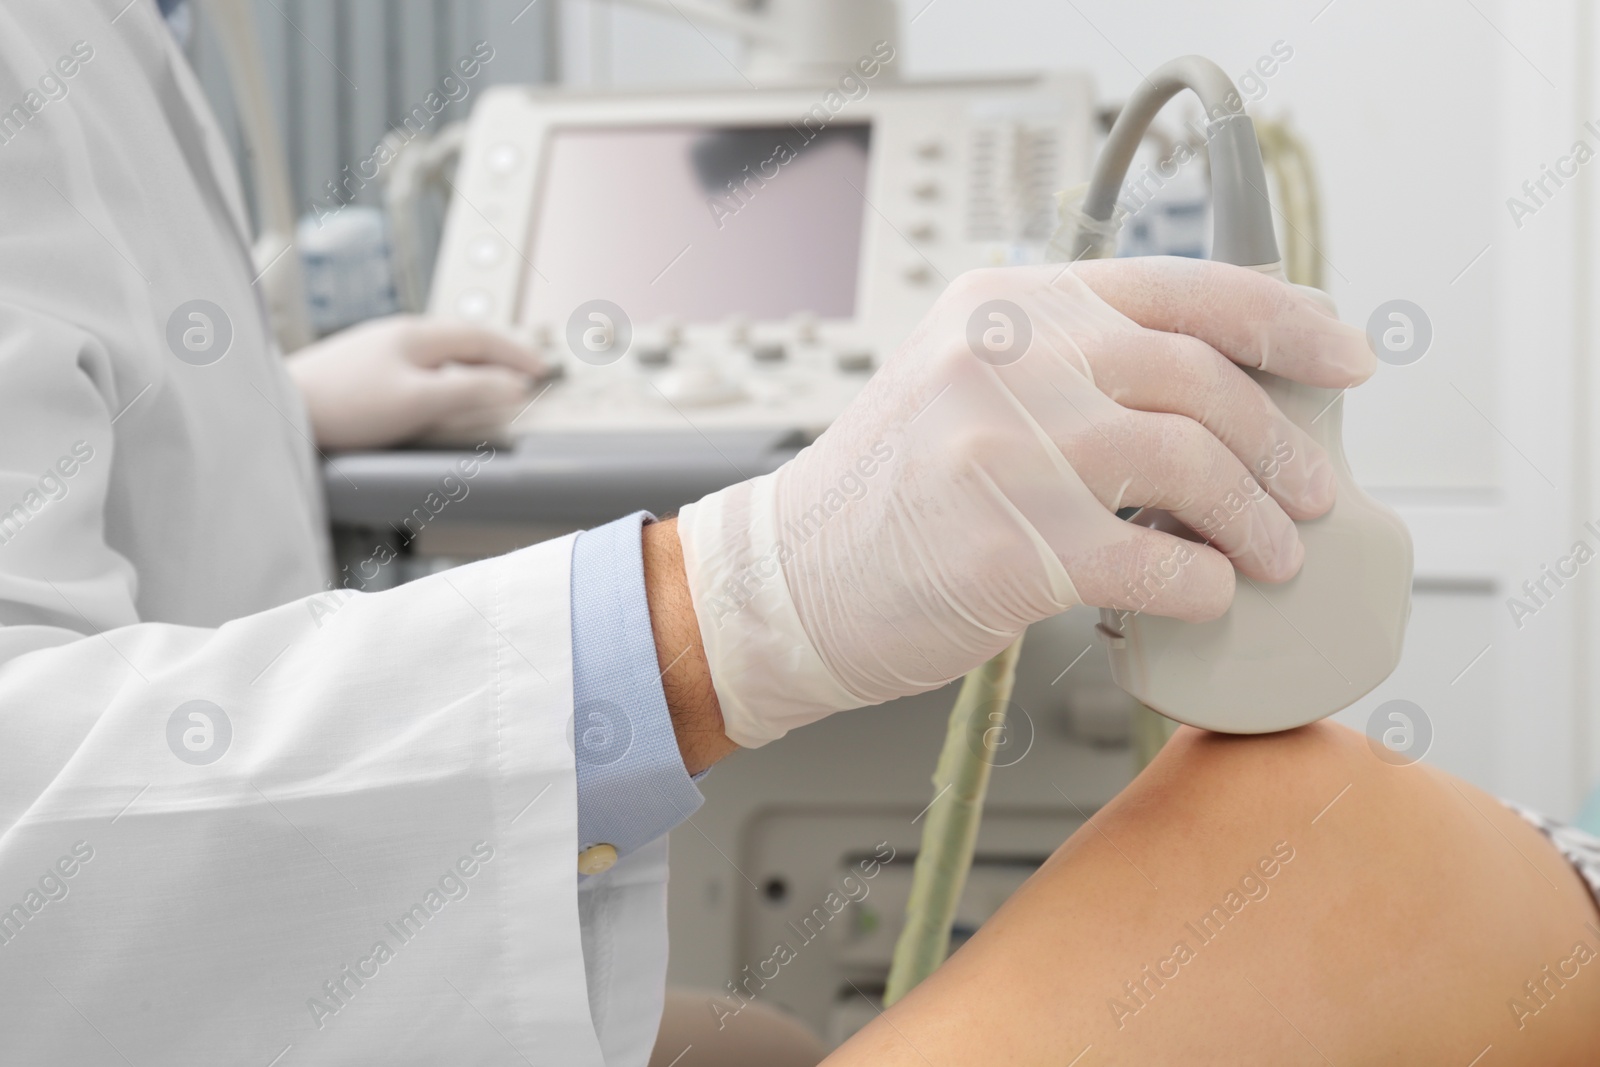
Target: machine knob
x,y
474,304
855,360
698,387
805,328
504,158
485,251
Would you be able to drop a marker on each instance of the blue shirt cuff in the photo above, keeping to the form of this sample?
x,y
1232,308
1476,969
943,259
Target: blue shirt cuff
x,y
632,785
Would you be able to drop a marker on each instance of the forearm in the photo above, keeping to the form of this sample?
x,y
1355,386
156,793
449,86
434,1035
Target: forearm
x,y
685,673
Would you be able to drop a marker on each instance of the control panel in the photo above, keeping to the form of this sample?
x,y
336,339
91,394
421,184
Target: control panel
x,y
742,260
818,930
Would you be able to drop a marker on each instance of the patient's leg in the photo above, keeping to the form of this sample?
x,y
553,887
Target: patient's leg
x,y
1379,915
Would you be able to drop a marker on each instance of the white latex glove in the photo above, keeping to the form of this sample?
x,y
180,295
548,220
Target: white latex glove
x,y
960,498
393,379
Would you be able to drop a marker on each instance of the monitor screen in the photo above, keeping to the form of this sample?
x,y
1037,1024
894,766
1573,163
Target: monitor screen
x,y
700,223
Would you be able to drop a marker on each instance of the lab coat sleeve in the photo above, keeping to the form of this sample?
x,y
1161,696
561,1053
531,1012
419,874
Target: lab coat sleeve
x,y
632,788
342,830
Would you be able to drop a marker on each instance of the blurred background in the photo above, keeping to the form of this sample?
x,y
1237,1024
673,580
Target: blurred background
x,y
1435,146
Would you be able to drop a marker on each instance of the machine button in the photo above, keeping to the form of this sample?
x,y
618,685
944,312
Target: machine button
x,y
930,150
474,304
926,190
855,360
486,251
698,386
805,328
504,158
1111,637
768,352
923,231
597,859
918,275
655,355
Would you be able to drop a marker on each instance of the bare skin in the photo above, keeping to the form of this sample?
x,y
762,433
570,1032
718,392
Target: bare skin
x,y
1412,912
685,672
1409,914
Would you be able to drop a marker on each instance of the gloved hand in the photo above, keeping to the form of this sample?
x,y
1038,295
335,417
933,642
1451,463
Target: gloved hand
x,y
392,379
972,487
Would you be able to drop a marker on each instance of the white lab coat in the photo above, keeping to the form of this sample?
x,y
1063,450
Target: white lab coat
x,y
399,770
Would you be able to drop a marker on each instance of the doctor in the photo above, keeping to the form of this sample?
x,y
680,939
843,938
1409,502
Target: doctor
x,y
429,826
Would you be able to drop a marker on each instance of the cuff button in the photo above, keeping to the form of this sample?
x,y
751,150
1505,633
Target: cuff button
x,y
597,859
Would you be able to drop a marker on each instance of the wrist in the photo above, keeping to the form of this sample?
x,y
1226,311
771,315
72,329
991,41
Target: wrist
x,y
680,654
766,671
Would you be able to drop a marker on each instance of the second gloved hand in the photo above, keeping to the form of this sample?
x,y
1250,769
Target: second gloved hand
x,y
972,488
393,379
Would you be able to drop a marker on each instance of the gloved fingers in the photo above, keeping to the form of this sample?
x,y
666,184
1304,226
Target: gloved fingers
x,y
461,389
1155,573
1253,319
1167,372
432,342
1151,459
